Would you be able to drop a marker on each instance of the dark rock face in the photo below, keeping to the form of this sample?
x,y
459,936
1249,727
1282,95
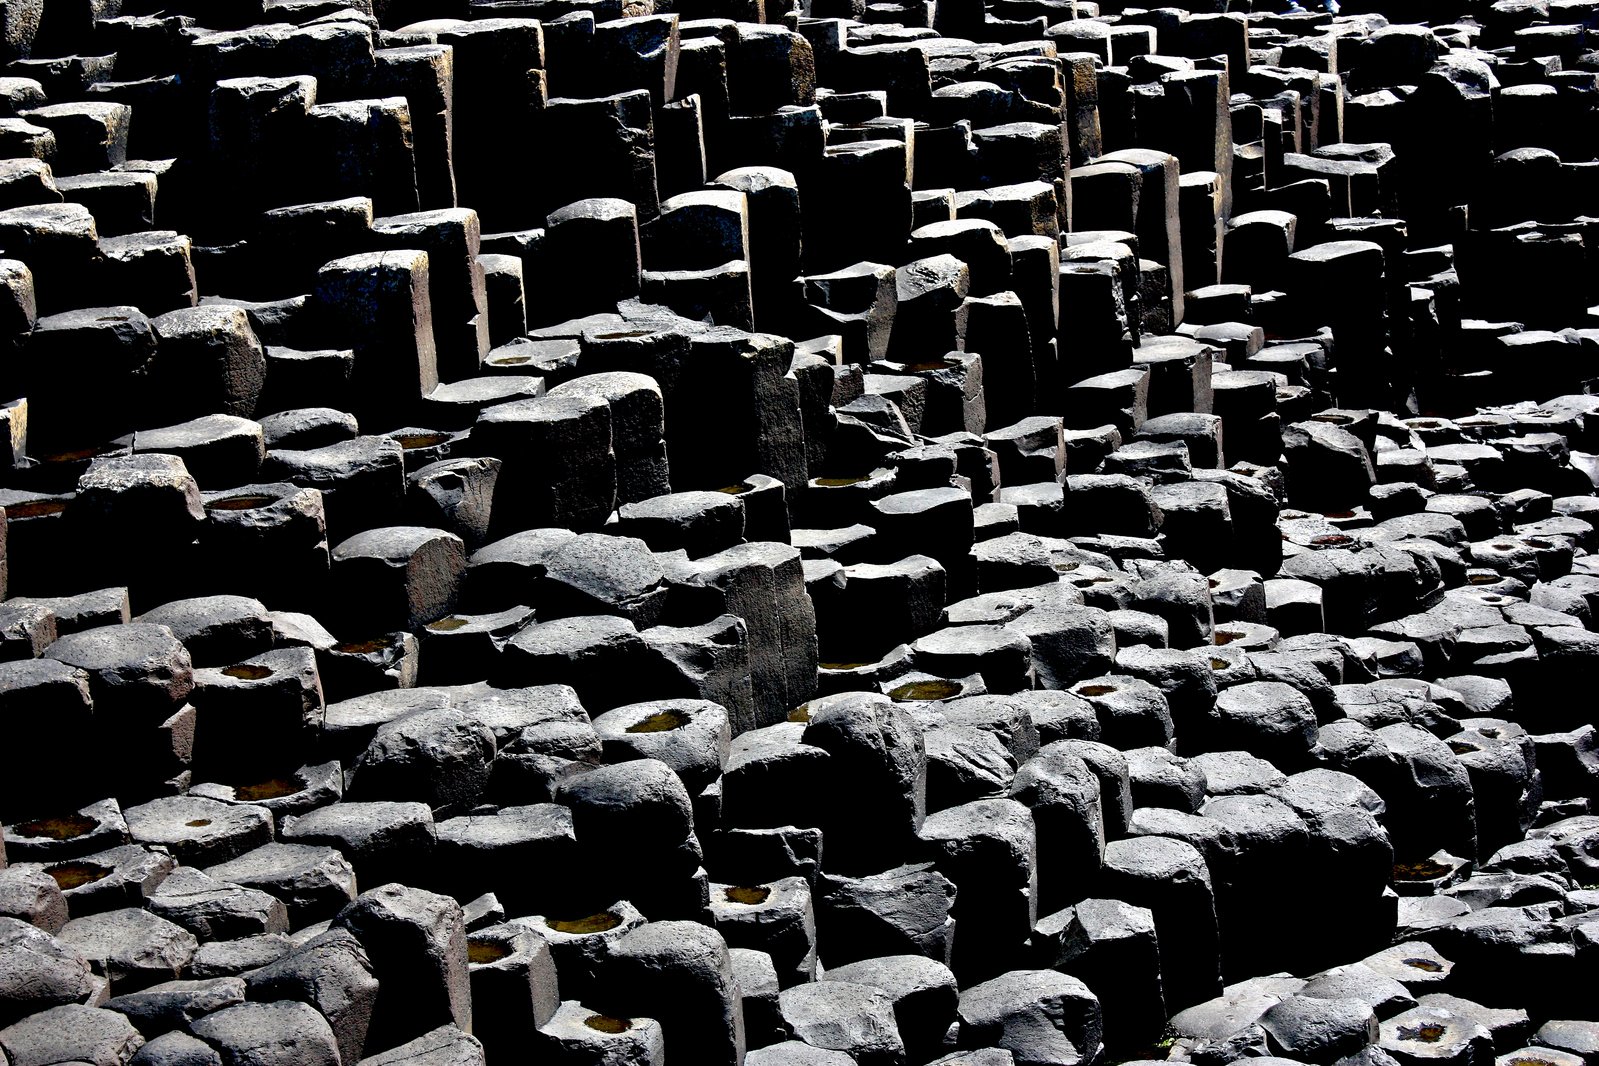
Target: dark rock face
x,y
718,532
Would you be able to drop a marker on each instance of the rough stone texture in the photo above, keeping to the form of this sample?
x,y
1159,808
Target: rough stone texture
x,y
884,531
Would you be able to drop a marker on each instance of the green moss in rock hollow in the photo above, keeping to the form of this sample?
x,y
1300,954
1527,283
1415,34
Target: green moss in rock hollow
x,y
247,672
412,441
1426,1034
485,951
604,1023
275,788
240,503
449,625
36,509
594,923
841,666
70,875
1425,870
1425,965
802,713
362,647
63,827
734,490
198,823
1165,1044
1220,664
750,896
1226,636
837,482
660,722
1095,690
936,689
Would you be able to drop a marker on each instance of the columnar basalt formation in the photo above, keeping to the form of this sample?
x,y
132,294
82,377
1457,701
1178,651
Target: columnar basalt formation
x,y
719,532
